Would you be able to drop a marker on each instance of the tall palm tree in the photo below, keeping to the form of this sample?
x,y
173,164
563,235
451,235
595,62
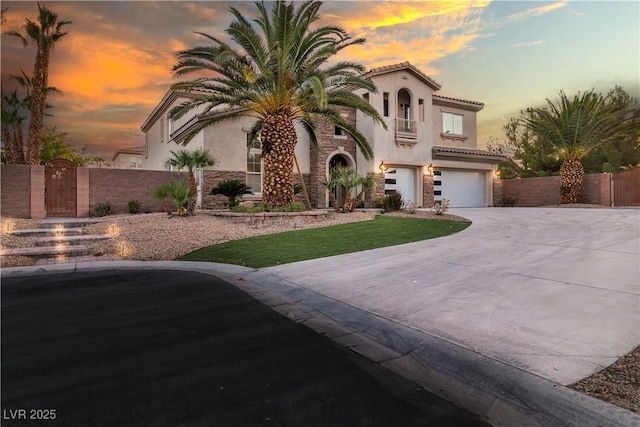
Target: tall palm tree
x,y
44,33
278,75
577,126
14,108
192,161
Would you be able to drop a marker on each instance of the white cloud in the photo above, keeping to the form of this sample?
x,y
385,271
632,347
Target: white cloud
x,y
528,44
536,11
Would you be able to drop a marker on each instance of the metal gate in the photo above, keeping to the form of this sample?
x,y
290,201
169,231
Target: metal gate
x,y
626,188
60,188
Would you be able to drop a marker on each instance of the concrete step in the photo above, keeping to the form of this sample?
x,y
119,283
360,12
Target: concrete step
x,y
67,223
47,251
42,232
71,240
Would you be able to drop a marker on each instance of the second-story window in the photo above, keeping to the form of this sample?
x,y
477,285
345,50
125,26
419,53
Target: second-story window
x,y
169,126
385,104
452,123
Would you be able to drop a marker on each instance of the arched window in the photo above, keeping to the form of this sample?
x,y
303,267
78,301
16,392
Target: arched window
x,y
405,125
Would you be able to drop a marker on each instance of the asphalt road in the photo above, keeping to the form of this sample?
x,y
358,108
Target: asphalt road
x,y
175,348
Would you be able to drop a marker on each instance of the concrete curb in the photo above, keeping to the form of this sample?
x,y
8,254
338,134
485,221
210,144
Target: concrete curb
x,y
501,394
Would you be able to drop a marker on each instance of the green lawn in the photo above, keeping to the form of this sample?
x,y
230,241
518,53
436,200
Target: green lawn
x,y
292,246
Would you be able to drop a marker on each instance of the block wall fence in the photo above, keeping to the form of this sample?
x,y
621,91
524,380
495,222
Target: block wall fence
x,y
22,189
545,191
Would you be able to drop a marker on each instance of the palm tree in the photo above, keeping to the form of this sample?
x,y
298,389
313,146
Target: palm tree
x,y
191,160
231,188
44,33
279,76
577,126
179,191
348,180
14,108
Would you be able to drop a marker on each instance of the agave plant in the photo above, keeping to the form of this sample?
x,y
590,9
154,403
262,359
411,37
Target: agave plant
x,y
231,188
349,180
179,191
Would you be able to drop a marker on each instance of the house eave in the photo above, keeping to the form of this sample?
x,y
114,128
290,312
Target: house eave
x,y
163,106
464,104
468,154
404,66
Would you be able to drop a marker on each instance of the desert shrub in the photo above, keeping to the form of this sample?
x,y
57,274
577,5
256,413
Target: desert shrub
x,y
133,206
253,209
409,207
441,206
509,202
393,202
291,207
102,209
379,202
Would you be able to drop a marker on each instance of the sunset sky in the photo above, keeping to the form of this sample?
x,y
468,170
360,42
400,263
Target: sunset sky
x,y
115,64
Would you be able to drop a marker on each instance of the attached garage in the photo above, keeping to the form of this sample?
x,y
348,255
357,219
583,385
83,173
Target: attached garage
x,y
402,180
463,189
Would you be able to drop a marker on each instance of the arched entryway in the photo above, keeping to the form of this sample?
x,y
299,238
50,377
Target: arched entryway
x,y
338,160
60,188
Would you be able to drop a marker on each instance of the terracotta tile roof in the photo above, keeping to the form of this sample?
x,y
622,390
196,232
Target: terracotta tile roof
x,y
405,66
466,101
466,152
458,102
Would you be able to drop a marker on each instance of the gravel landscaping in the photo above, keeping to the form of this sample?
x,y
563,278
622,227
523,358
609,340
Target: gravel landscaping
x,y
157,237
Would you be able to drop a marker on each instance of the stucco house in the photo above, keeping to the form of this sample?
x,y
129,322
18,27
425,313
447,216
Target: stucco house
x,y
428,152
128,158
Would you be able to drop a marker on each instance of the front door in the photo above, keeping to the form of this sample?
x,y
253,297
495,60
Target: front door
x,y
60,188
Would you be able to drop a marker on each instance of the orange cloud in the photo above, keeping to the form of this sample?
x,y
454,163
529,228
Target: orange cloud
x,y
417,32
105,71
385,14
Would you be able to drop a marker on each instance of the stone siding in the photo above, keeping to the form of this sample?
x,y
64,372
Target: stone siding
x,y
427,191
329,144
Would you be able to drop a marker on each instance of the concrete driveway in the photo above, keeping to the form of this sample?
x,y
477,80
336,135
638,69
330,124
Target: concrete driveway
x,y
494,319
551,291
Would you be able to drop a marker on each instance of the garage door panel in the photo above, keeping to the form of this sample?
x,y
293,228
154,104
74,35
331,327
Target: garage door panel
x,y
403,181
464,189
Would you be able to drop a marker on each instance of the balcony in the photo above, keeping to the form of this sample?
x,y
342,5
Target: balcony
x,y
406,132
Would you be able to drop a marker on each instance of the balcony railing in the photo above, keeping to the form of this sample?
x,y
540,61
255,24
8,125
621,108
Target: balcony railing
x,y
406,129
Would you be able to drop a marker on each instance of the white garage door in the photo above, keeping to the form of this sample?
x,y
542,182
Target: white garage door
x,y
401,180
464,189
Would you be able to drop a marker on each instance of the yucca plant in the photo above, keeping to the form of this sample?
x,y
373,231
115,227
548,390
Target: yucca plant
x,y
179,191
232,188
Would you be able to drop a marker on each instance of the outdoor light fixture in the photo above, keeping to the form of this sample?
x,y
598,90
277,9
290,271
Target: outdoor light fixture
x,y
382,166
497,174
430,169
